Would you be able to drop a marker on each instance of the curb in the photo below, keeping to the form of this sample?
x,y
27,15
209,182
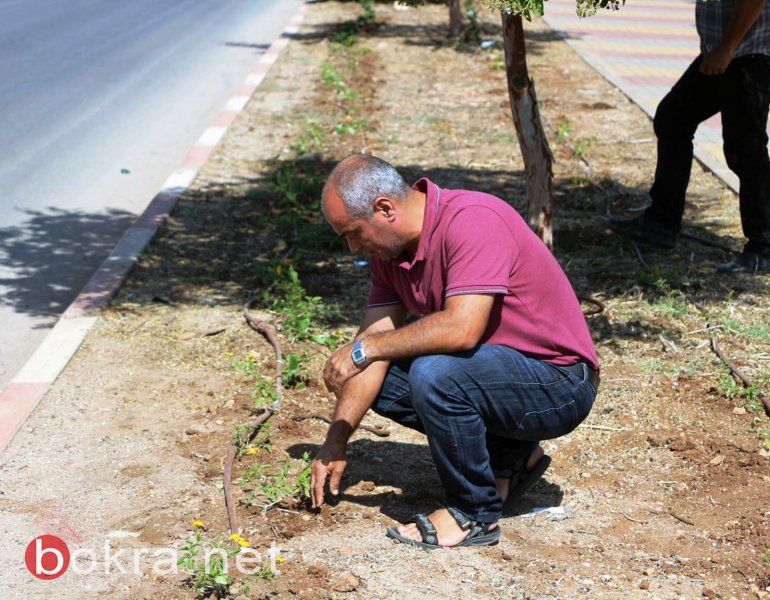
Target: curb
x,y
25,391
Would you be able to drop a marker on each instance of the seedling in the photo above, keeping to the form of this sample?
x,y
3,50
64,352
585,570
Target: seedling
x,y
206,562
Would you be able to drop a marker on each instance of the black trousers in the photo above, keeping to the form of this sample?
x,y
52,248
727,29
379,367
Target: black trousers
x,y
741,94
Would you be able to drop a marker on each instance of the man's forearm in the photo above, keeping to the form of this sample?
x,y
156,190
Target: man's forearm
x,y
455,329
356,398
745,15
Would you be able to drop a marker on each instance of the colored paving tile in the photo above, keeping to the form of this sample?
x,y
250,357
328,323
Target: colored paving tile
x,y
642,49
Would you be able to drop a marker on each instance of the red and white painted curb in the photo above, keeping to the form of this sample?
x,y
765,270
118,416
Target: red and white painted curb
x,y
25,391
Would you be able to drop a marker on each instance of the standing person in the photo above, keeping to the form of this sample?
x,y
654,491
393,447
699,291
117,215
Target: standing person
x,y
499,358
731,76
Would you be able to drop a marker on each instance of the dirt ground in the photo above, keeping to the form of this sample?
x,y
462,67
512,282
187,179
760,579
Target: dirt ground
x,y
664,492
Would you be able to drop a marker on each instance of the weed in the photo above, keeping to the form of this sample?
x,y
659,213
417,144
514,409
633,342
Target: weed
x,y
263,393
247,445
298,310
766,557
331,340
498,62
294,371
474,31
208,572
248,365
563,129
303,479
351,125
584,146
274,482
312,139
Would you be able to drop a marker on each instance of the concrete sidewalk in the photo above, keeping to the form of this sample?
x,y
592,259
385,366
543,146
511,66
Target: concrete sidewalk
x,y
642,49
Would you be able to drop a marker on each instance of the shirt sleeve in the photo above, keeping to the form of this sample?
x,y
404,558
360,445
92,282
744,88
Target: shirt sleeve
x,y
381,292
481,252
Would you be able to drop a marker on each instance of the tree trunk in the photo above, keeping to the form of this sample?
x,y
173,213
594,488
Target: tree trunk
x,y
538,159
456,18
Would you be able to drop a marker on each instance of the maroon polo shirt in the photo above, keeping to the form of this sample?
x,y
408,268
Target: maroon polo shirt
x,y
474,243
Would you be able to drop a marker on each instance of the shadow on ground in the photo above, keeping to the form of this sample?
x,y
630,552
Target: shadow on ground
x,y
408,467
46,260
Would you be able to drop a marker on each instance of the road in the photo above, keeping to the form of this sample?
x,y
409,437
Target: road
x,y
99,102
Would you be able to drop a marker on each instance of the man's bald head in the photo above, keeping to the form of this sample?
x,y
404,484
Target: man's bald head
x,y
361,178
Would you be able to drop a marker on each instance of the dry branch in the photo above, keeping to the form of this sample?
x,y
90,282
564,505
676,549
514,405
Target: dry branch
x,y
737,373
267,330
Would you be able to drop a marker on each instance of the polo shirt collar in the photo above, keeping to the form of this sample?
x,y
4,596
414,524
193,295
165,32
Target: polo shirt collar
x,y
430,217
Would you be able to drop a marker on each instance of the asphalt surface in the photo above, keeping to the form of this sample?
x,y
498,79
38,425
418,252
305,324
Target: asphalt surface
x,y
99,102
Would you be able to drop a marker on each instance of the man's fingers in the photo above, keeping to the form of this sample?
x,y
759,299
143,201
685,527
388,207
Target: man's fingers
x,y
317,481
334,480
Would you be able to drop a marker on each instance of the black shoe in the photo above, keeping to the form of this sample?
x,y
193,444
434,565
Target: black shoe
x,y
747,262
644,229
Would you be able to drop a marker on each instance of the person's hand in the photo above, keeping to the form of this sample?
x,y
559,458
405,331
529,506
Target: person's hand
x,y
330,461
716,61
339,368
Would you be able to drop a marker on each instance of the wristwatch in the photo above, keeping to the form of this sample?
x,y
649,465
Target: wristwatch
x,y
358,354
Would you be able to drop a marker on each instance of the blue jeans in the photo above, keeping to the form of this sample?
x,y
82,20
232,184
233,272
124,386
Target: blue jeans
x,y
742,95
481,410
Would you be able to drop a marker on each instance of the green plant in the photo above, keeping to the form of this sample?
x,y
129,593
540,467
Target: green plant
x,y
351,125
331,339
247,445
294,371
497,62
474,31
584,145
208,572
563,129
263,393
298,310
303,479
274,481
766,557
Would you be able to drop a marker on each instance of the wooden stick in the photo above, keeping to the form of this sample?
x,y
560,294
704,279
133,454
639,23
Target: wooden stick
x,y
639,256
267,330
738,374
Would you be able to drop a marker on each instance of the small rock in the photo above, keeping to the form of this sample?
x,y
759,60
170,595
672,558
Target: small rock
x,y
681,444
368,486
739,410
586,475
717,460
707,593
644,584
346,582
506,556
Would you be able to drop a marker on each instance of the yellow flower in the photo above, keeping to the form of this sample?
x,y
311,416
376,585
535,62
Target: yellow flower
x,y
198,524
280,559
241,541
252,450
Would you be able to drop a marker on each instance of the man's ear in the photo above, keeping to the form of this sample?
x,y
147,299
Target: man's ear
x,y
386,207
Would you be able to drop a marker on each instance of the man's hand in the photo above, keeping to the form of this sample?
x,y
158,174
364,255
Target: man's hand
x,y
716,61
339,368
330,461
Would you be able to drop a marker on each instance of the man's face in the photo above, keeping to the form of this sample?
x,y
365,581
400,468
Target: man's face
x,y
376,237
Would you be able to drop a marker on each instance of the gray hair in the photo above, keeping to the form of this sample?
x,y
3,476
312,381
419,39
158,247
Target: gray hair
x,y
360,178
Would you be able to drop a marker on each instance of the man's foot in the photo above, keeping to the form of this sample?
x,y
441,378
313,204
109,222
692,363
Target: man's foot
x,y
445,528
747,262
644,229
514,482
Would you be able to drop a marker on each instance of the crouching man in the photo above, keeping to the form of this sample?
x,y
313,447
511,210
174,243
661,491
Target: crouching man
x,y
499,358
